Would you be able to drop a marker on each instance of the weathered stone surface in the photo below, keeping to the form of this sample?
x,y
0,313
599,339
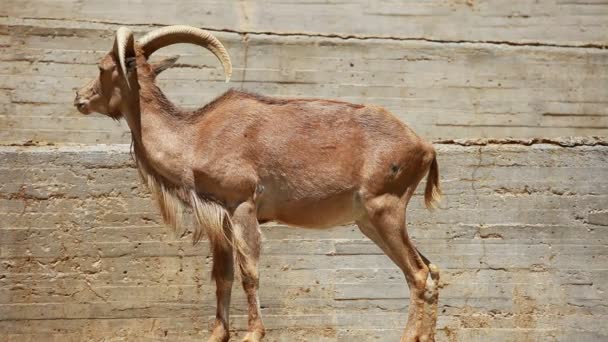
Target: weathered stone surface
x,y
572,22
452,83
521,236
521,239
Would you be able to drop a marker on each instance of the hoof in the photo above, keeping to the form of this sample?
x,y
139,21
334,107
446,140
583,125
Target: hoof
x,y
254,336
219,334
418,338
218,339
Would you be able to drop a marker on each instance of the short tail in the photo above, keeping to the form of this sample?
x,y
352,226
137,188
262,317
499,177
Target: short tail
x,y
432,193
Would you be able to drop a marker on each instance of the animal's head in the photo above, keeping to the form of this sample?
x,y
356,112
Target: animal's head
x,y
126,66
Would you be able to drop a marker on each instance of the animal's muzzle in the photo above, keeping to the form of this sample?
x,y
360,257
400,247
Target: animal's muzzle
x,y
81,104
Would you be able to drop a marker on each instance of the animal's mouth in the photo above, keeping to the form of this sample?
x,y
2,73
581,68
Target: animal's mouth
x,y
82,106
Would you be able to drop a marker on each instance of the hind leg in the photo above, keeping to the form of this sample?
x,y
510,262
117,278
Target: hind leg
x,y
384,223
248,239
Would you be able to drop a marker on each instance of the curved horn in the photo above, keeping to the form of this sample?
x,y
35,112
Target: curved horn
x,y
123,45
170,35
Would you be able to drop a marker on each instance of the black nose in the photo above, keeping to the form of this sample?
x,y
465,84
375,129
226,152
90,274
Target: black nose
x,y
78,102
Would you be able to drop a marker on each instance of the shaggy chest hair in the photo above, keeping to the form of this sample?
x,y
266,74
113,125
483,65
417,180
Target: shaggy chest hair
x,y
211,217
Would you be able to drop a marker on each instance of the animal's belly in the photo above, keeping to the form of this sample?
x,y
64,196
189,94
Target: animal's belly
x,y
327,212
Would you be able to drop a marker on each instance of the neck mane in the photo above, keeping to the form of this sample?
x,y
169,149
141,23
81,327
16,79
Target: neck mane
x,y
173,199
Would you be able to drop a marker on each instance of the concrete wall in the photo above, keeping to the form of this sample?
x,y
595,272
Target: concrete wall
x,y
452,69
521,239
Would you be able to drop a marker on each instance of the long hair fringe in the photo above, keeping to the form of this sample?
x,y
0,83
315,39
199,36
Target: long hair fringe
x,y
211,218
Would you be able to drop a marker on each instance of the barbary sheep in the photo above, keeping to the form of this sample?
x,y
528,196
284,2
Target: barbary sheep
x,y
245,159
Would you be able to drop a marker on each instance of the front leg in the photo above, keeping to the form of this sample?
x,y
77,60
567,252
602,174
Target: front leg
x,y
248,240
223,273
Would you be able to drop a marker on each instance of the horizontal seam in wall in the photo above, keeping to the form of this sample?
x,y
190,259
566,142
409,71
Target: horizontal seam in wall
x,y
598,46
561,142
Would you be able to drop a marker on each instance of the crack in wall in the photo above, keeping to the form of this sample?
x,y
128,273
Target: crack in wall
x,y
342,36
565,142
245,41
562,142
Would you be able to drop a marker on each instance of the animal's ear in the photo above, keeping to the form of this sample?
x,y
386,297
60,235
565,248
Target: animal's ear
x,y
131,64
163,65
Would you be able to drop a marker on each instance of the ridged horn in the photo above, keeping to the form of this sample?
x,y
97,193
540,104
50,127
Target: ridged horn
x,y
123,45
177,34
